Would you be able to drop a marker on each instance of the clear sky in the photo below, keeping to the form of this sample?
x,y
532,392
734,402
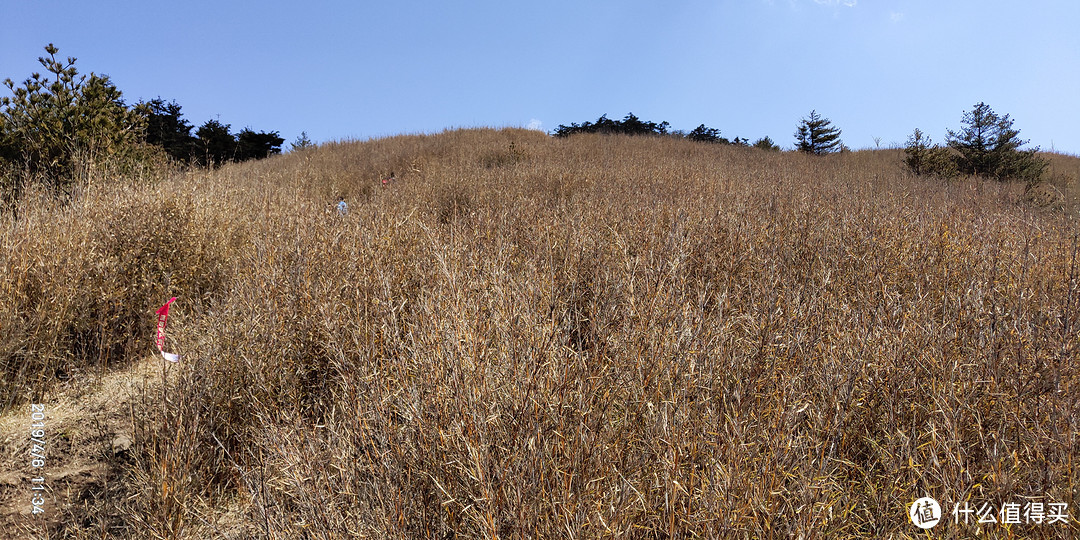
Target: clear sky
x,y
354,70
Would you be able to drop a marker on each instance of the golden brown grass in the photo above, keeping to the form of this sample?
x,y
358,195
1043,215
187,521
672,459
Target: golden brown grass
x,y
527,337
1063,175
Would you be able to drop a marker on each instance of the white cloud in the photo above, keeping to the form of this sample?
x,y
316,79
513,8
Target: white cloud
x,y
534,124
896,16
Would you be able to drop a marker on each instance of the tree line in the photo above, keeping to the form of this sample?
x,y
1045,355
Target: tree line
x,y
212,143
62,126
632,125
987,145
58,127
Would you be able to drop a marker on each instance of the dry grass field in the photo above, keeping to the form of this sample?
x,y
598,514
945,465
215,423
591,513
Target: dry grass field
x,y
528,337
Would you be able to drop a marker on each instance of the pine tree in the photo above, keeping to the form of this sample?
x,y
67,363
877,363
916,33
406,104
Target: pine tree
x,y
216,143
302,142
704,134
917,151
989,145
816,135
923,157
166,127
630,125
59,126
257,145
765,143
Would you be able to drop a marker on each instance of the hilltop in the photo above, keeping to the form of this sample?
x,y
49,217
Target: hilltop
x,y
521,335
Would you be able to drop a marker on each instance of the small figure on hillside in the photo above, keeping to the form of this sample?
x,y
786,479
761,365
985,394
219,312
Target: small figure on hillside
x,y
389,179
342,207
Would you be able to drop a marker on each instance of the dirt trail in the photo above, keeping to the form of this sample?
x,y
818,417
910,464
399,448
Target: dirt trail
x,y
87,432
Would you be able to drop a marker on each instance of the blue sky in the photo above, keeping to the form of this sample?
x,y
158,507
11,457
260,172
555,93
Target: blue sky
x,y
354,70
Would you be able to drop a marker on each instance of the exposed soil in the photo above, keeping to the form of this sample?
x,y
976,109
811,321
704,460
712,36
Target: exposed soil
x,y
88,423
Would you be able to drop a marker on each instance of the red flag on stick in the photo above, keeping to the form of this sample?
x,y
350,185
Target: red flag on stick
x,y
162,317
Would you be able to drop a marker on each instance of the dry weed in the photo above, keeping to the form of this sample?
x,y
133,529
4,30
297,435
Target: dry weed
x,y
595,336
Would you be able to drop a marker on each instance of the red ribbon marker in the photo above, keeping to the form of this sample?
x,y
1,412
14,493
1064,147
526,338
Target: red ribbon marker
x,y
162,318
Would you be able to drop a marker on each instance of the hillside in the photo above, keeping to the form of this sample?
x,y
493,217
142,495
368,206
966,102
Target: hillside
x,y
522,336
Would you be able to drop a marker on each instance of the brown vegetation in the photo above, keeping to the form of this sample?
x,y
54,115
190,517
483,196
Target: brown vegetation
x,y
527,337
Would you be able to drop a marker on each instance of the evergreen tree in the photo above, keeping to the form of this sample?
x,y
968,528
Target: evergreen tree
x,y
166,128
602,125
252,145
55,128
816,135
989,145
216,144
918,148
923,157
704,134
302,142
630,125
765,143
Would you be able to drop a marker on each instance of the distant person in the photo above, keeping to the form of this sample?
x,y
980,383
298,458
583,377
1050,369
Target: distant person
x,y
389,179
342,207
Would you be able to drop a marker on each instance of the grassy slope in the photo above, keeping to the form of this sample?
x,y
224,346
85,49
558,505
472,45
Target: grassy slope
x,y
595,336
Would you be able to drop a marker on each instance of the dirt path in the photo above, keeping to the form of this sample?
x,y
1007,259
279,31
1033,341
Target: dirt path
x,y
86,433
